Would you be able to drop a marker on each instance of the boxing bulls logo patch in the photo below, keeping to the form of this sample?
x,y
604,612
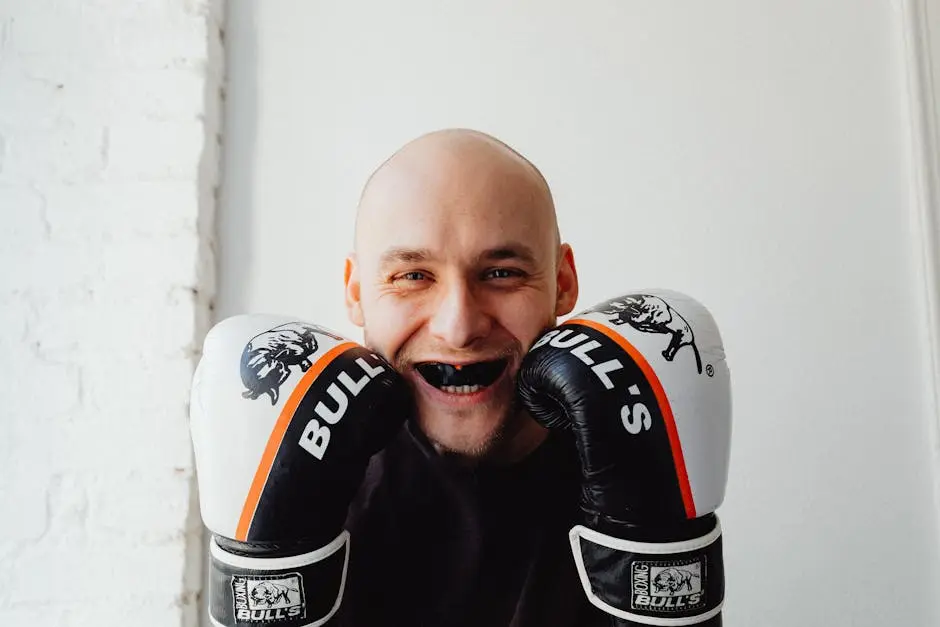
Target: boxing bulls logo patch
x,y
268,598
268,357
651,314
674,586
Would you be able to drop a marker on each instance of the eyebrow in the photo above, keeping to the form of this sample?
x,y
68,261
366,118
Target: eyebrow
x,y
404,255
509,251
503,252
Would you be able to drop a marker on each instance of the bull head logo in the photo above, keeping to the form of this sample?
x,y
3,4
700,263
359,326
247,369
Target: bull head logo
x,y
673,580
651,314
271,593
268,358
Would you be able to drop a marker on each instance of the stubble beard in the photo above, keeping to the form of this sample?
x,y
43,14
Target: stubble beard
x,y
508,425
439,425
490,445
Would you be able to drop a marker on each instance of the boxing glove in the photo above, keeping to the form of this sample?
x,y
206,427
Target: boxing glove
x,y
642,383
284,418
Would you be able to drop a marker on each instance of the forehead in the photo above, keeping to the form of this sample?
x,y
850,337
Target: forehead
x,y
457,210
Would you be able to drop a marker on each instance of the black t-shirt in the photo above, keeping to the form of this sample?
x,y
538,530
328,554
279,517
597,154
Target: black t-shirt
x,y
436,544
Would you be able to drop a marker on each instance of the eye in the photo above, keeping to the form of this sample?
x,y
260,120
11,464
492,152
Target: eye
x,y
412,276
502,273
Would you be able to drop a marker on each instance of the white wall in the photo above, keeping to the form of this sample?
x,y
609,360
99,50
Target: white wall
x,y
105,275
754,154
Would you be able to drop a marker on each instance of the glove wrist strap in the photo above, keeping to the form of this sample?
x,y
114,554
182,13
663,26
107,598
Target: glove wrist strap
x,y
297,591
669,584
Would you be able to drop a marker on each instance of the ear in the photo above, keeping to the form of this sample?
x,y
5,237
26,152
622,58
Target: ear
x,y
567,281
353,293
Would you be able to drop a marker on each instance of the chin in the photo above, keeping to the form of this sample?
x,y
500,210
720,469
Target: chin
x,y
472,437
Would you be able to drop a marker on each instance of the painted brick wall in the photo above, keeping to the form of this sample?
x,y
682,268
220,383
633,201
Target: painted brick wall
x,y
109,127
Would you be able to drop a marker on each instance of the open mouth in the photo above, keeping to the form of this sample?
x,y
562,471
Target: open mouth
x,y
462,379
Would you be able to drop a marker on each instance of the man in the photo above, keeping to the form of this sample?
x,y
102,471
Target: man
x,y
402,483
457,269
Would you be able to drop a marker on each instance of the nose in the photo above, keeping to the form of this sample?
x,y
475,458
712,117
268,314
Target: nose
x,y
459,319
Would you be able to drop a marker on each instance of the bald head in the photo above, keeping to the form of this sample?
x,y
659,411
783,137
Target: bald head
x,y
453,165
458,260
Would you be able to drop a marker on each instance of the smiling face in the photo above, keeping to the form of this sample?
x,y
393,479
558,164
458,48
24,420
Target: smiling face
x,y
457,271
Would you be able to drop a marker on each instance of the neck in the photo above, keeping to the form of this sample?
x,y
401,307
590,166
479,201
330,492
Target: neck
x,y
521,443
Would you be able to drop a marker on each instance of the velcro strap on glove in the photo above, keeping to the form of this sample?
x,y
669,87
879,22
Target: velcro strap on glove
x,y
665,584
298,591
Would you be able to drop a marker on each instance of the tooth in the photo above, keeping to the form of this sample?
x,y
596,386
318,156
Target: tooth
x,y
460,389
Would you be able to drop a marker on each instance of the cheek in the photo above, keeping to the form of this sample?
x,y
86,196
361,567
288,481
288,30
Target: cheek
x,y
389,322
525,316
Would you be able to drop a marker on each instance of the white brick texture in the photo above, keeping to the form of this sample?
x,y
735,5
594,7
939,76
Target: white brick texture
x,y
109,127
